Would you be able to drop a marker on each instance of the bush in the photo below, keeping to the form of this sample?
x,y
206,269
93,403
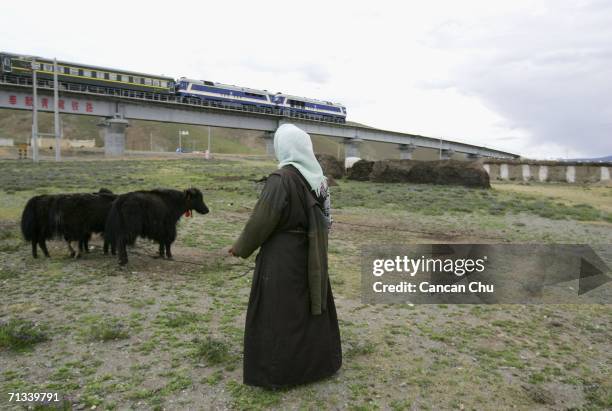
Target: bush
x,y
213,351
19,335
106,330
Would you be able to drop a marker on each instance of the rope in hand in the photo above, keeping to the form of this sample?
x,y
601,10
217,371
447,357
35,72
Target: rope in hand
x,y
243,274
173,260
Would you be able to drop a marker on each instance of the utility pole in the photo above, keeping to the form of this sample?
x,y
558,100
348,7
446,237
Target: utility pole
x,y
151,141
208,140
34,114
181,134
56,123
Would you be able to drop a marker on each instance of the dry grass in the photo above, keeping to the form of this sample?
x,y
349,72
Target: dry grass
x,y
168,335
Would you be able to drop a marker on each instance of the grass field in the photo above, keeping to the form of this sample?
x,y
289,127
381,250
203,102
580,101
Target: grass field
x,y
168,334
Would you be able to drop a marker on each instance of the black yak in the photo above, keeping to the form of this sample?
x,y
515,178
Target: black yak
x,y
73,217
77,216
36,222
150,214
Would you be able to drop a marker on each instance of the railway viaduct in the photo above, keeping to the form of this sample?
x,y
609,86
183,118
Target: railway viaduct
x,y
119,110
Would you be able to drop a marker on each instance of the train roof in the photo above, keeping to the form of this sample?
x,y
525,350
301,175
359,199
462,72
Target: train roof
x,y
228,86
64,62
310,100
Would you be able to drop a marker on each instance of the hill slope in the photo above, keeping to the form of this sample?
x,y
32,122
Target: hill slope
x,y
156,136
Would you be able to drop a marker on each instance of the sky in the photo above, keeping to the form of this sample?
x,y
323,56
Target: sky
x,y
530,77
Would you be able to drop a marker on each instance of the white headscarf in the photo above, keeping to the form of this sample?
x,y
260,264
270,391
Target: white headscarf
x,y
293,146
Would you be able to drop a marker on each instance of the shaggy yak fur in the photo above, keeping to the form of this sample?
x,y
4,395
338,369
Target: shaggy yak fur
x,y
73,217
150,214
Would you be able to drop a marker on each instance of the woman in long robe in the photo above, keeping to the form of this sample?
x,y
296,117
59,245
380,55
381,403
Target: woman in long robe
x,y
291,333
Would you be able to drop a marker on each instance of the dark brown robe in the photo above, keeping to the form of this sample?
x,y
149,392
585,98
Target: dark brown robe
x,y
284,343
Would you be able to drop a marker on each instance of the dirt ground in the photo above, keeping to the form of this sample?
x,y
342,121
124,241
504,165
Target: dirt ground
x,y
164,334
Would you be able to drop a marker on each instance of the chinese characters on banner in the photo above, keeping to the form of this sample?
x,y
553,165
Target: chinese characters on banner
x,y
45,103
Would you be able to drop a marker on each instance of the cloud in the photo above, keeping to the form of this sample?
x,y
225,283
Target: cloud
x,y
548,73
310,72
526,76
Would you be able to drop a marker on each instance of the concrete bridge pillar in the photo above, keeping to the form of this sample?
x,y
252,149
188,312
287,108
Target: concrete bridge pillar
x,y
351,147
406,151
543,173
570,174
269,138
446,154
504,172
526,172
113,131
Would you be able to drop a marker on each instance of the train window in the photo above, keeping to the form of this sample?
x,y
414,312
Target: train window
x,y
106,76
94,74
142,80
66,70
81,72
163,84
209,83
119,78
74,71
297,104
148,81
48,67
130,79
6,64
87,73
112,76
156,83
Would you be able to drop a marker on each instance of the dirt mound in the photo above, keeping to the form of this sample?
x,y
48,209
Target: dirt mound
x,y
330,165
360,171
450,172
446,172
392,171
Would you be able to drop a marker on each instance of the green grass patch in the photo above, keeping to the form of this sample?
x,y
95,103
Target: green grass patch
x,y
177,319
18,335
104,329
252,398
211,350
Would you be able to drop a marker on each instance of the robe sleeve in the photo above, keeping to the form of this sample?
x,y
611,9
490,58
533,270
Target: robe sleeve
x,y
264,218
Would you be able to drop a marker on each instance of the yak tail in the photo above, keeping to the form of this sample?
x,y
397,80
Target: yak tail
x,y
116,226
112,226
29,225
55,218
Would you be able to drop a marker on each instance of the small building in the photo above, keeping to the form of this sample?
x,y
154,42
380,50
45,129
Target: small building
x,y
49,142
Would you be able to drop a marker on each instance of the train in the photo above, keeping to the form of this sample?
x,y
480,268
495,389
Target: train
x,y
86,78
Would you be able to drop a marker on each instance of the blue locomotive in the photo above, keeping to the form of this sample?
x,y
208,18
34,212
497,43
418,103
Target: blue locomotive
x,y
241,97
